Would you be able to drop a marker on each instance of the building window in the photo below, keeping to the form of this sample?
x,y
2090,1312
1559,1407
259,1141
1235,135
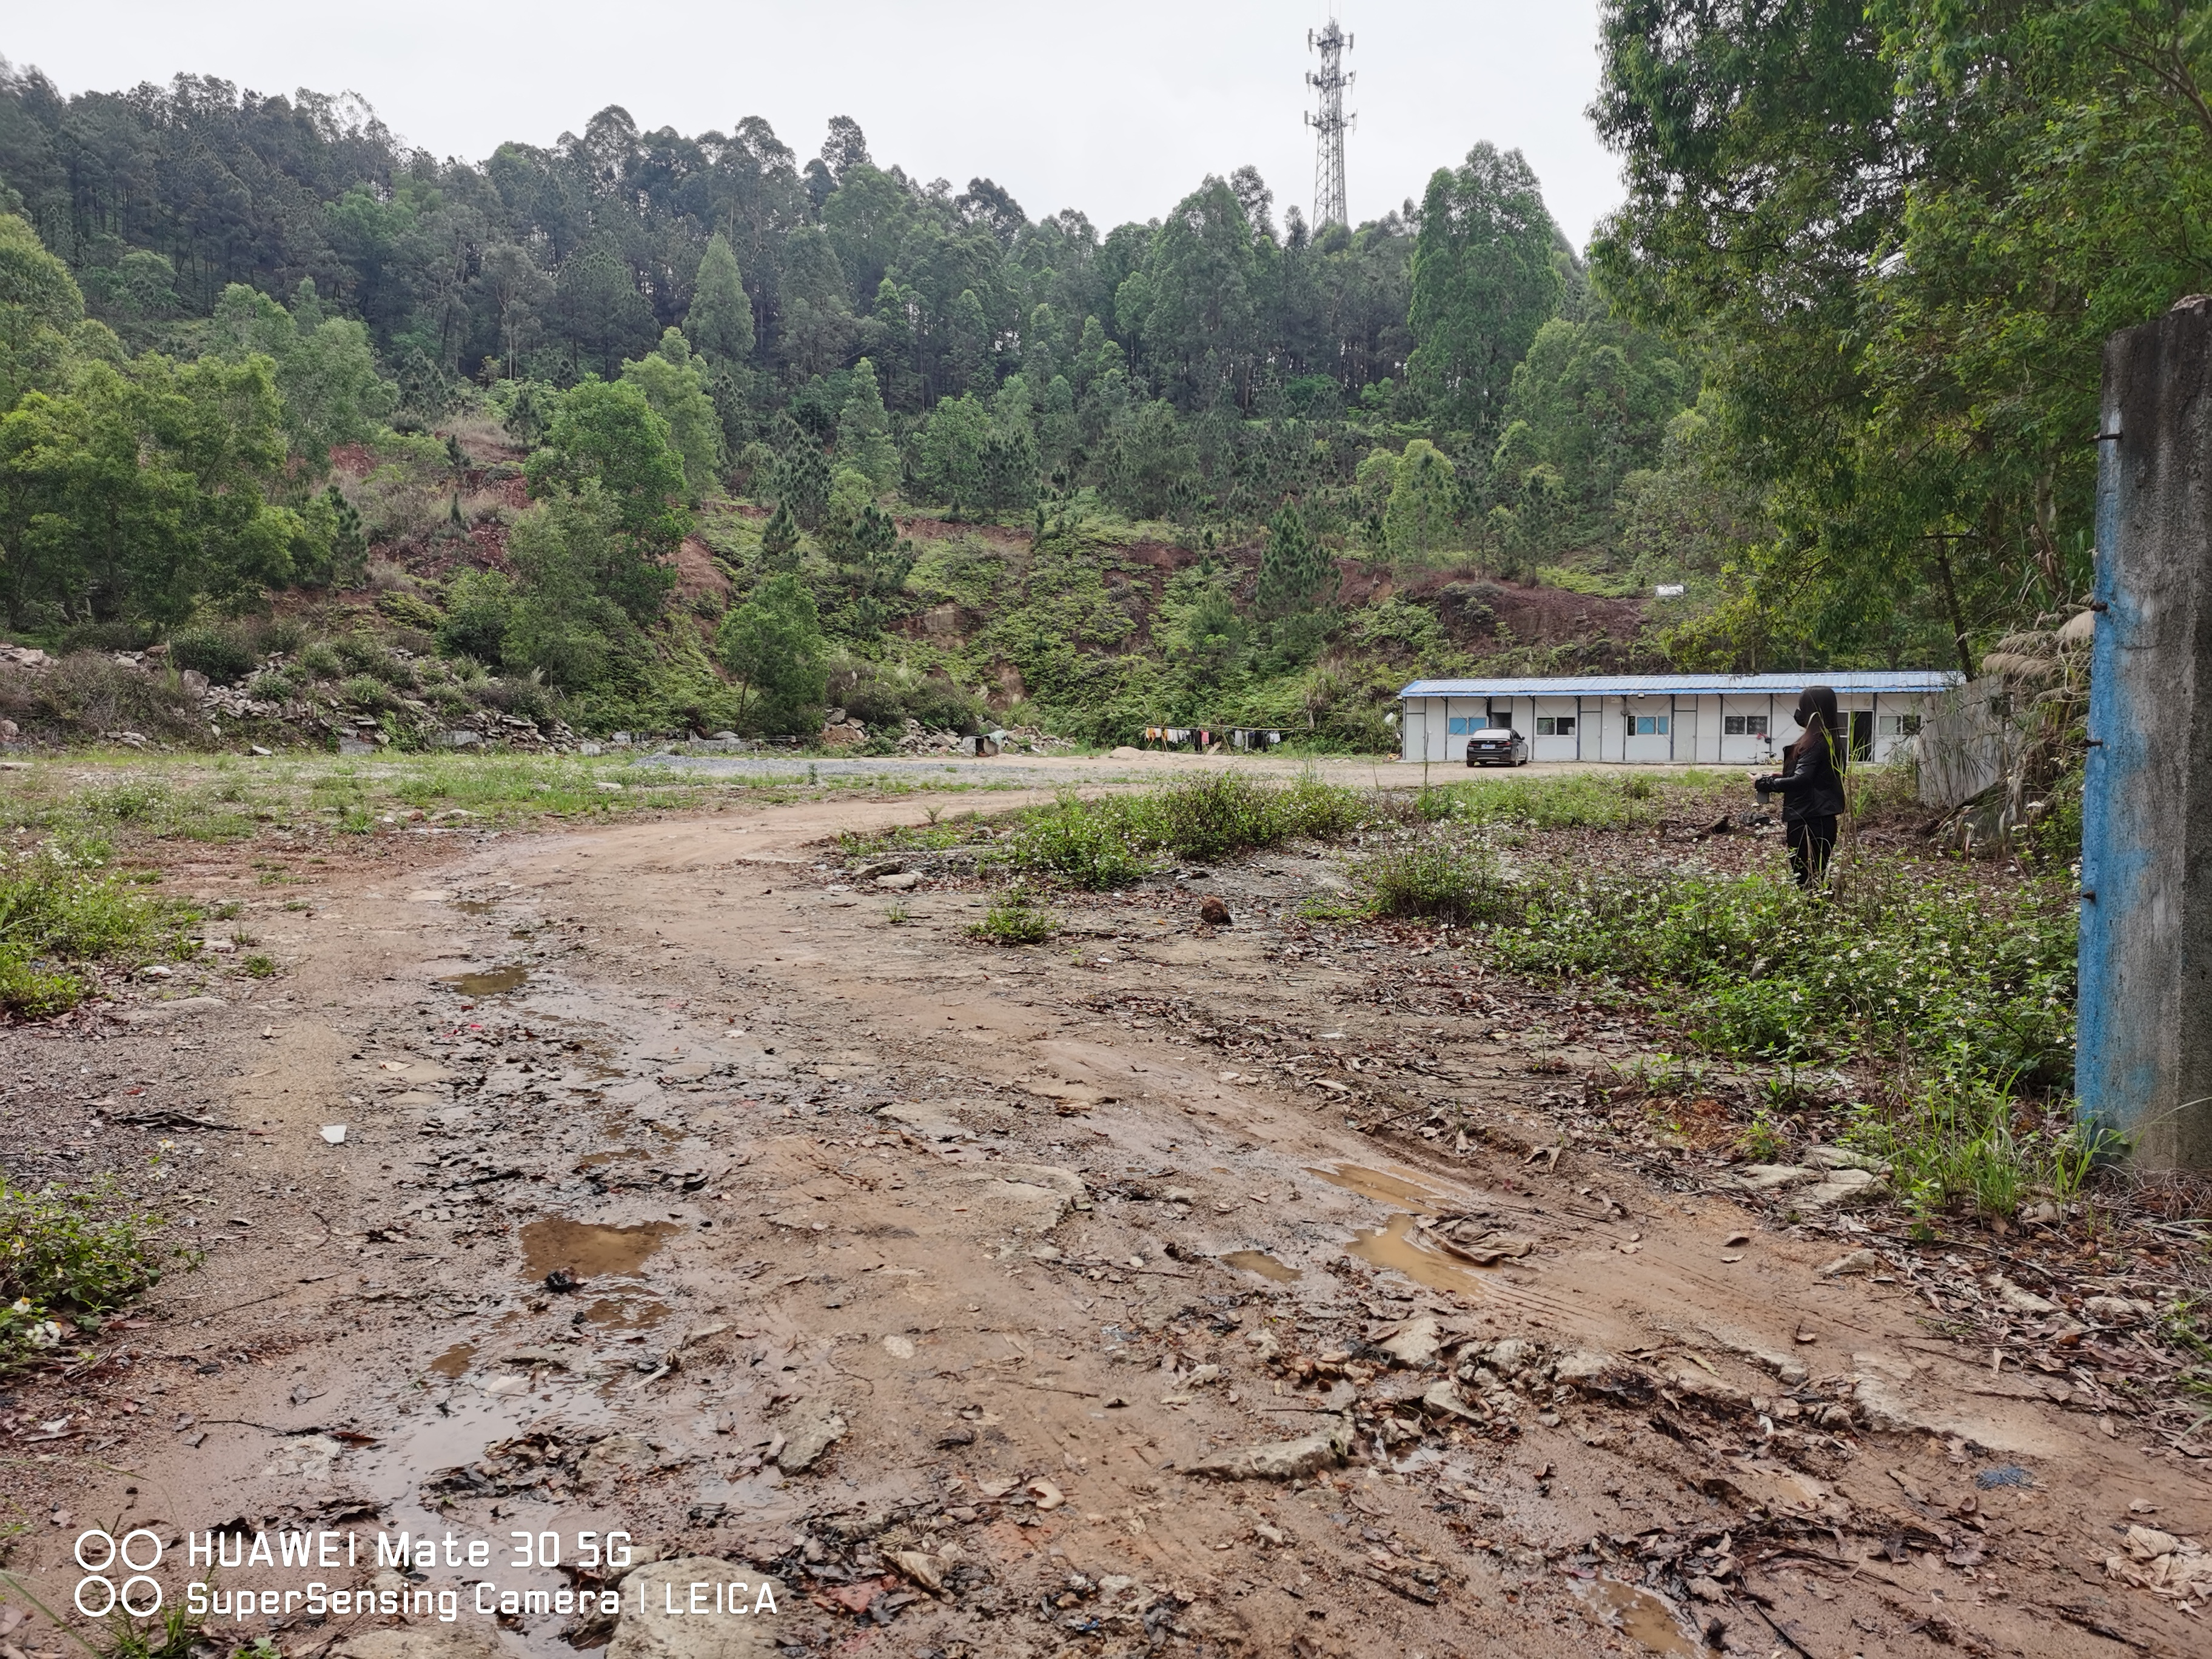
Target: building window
x,y
1650,726
1897,726
1555,725
1459,725
1743,726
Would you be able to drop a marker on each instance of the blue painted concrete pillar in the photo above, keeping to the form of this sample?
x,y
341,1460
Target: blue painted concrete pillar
x,y
2143,1062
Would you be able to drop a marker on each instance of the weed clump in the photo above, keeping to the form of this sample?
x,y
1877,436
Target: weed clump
x,y
1894,961
1964,1142
1090,844
1015,918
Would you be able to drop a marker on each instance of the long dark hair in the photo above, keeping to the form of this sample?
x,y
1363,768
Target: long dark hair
x,y
1817,713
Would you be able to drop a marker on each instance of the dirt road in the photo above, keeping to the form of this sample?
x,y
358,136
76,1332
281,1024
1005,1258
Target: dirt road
x,y
685,1192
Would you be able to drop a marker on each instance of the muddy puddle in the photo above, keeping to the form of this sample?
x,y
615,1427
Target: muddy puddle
x,y
1259,1262
1399,1245
591,1250
1385,1187
1646,1619
492,982
454,1362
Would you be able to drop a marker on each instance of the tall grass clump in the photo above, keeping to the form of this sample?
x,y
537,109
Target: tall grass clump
x,y
1085,843
1964,1142
58,911
1438,875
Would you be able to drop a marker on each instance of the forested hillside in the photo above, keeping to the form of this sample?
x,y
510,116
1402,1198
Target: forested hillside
x,y
264,368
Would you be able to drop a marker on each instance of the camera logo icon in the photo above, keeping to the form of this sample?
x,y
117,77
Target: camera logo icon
x,y
115,1555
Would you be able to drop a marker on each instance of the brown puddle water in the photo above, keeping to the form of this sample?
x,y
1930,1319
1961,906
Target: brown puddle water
x,y
1398,1243
1639,1615
1259,1262
1374,1184
473,907
492,982
455,1360
589,1249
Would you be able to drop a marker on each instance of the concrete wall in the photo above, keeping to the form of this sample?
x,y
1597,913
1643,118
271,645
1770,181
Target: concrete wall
x,y
2143,1057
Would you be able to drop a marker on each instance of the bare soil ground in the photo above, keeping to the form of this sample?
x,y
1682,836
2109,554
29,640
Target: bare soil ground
x,y
927,1277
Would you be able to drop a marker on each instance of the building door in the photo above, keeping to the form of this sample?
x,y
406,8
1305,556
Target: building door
x,y
1861,734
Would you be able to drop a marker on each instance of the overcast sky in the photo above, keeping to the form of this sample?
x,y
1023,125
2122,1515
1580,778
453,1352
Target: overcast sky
x,y
1117,109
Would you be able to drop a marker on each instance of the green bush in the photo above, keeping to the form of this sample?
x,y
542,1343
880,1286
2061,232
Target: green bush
x,y
1087,844
1107,842
367,693
1437,875
408,607
1220,814
225,656
320,661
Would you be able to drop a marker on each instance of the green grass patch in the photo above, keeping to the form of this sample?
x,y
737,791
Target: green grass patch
x,y
1966,1143
67,1259
60,910
1605,801
1898,961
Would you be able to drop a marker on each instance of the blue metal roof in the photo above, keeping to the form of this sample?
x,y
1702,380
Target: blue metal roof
x,y
1923,680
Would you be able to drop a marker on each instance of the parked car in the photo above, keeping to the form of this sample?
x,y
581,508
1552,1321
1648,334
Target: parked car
x,y
1497,746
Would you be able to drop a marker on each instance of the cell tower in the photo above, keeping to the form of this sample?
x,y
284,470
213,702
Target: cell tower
x,y
1329,125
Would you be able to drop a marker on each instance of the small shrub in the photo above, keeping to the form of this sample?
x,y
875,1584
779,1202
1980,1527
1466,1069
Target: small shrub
x,y
280,636
1015,918
402,606
260,965
277,685
320,661
224,656
367,693
105,637
31,990
364,653
1437,875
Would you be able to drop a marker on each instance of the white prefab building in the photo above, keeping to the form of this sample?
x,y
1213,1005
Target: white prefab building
x,y
1664,720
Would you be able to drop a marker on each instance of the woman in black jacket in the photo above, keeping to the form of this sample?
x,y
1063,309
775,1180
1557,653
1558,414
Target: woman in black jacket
x,y
1812,789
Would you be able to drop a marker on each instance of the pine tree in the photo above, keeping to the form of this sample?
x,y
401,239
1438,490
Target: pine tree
x,y
719,323
802,484
780,540
350,545
1296,572
863,431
